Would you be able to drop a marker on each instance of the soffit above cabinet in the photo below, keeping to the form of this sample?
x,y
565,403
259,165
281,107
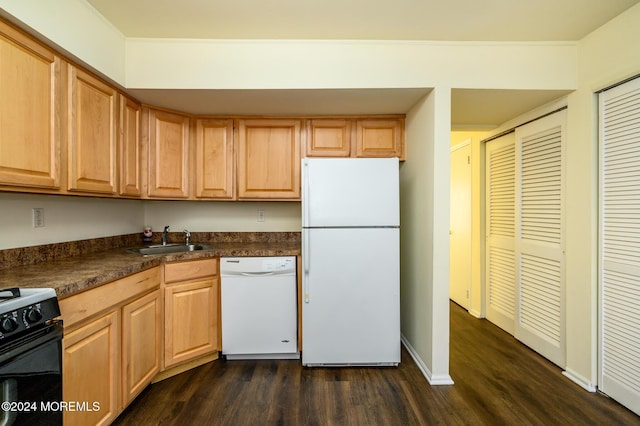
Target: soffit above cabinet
x,y
283,102
453,20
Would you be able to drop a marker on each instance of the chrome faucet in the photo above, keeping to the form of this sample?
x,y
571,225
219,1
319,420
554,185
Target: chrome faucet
x,y
165,234
187,236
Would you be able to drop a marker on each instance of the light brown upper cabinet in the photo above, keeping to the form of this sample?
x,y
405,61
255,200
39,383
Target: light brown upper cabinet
x,y
168,167
380,138
129,147
92,137
214,165
30,120
269,159
328,138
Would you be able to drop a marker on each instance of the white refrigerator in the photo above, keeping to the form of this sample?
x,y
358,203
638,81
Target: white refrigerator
x,y
350,262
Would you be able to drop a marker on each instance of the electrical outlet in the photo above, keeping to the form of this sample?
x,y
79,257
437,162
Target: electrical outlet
x,y
260,215
38,217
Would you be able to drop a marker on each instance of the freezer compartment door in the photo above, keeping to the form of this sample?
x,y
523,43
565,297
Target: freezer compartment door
x,y
350,192
351,307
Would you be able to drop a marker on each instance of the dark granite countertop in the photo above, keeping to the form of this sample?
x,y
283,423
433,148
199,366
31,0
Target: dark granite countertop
x,y
75,274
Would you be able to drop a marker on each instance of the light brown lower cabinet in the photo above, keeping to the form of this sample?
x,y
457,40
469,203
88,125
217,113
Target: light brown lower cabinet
x,y
190,310
111,347
90,371
141,326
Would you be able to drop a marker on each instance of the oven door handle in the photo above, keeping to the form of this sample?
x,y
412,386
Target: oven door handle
x,y
14,348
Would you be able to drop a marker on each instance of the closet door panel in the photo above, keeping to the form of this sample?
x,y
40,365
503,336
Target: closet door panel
x,y
539,236
620,244
500,230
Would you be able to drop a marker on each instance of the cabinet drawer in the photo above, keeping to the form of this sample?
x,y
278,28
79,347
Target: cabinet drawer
x,y
81,306
190,270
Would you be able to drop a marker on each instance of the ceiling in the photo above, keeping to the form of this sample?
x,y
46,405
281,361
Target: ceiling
x,y
435,20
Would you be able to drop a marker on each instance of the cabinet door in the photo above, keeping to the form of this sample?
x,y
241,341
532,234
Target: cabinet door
x,y
92,134
328,138
140,344
269,159
168,155
91,370
30,122
379,138
191,315
214,158
129,147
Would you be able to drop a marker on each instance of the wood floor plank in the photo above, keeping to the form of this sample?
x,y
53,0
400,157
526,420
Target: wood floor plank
x,y
498,381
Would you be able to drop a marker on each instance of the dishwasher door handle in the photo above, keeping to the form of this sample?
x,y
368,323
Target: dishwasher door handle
x,y
256,274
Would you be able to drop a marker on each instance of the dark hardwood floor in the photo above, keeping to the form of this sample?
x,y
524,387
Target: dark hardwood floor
x,y
498,381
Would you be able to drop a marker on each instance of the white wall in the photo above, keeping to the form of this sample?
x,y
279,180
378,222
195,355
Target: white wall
x,y
67,218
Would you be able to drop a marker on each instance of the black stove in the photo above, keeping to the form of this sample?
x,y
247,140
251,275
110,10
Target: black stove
x,y
25,309
30,357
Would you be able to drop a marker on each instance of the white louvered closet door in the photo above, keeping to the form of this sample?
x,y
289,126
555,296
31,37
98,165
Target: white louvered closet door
x,y
620,244
539,242
500,257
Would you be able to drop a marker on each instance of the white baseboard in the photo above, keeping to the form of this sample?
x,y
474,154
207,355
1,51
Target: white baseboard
x,y
434,380
476,314
579,380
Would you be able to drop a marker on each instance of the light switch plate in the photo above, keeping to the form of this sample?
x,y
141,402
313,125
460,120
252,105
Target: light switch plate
x,y
38,217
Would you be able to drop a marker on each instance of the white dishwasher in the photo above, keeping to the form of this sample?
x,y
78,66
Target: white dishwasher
x,y
259,307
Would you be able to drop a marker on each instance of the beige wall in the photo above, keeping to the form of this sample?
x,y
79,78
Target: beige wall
x,y
66,218
70,218
76,28
225,64
607,56
223,216
477,298
604,57
282,64
415,252
304,64
424,196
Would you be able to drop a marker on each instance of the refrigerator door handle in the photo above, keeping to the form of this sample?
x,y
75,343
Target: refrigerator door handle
x,y
305,192
306,255
305,222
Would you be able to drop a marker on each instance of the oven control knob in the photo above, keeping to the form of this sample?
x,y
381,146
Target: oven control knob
x,y
8,324
33,315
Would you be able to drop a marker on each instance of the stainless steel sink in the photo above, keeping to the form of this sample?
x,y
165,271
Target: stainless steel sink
x,y
169,248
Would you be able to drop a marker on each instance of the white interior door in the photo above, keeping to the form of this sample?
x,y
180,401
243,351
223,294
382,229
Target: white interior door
x,y
460,225
500,231
539,242
619,362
